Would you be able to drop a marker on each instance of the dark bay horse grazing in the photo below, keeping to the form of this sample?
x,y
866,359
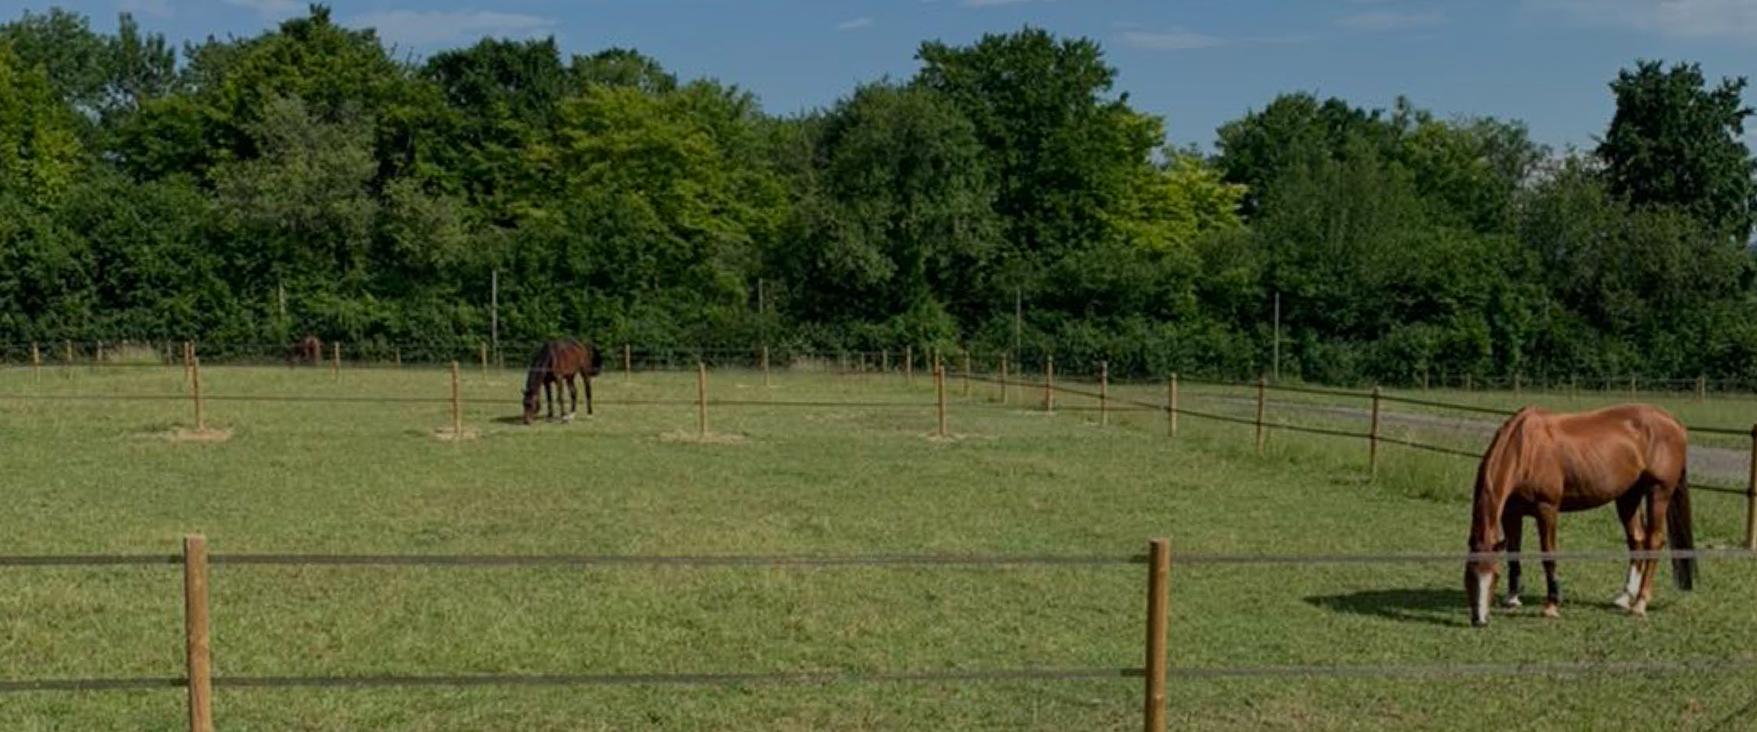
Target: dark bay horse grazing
x,y
307,350
561,361
1541,463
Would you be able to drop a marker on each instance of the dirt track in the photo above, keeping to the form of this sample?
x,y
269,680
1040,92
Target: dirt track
x,y
1708,465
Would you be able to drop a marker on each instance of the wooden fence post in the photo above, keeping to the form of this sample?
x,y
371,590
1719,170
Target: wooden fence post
x,y
1003,380
197,649
335,368
1158,580
908,365
457,417
36,361
884,360
189,364
397,353
701,398
627,364
1262,397
1751,497
1468,381
1049,384
195,377
484,361
1518,384
939,380
766,365
1631,386
966,373
1373,444
1103,393
68,357
1171,407
1701,388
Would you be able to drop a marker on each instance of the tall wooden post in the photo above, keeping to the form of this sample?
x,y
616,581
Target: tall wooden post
x,y
1003,380
1631,386
457,415
766,365
1469,379
1262,398
1518,384
1158,599
484,361
1049,384
68,358
1171,406
195,377
36,361
335,364
966,373
1103,392
189,363
939,380
1373,440
1701,388
884,360
909,365
197,649
627,364
397,353
701,398
1751,497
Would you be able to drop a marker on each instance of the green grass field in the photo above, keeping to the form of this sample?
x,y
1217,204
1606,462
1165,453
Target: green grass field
x,y
356,477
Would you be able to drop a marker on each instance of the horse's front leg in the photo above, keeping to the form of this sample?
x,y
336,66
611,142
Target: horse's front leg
x,y
1512,530
588,380
1635,533
549,397
573,398
1546,534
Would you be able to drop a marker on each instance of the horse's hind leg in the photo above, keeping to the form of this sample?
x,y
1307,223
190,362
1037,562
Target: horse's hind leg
x,y
1629,511
549,397
1657,503
1512,528
588,379
1546,534
573,398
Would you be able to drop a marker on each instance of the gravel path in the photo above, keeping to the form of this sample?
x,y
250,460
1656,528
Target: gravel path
x,y
1709,465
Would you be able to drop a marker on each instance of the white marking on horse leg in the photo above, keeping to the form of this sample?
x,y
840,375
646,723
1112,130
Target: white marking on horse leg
x,y
1512,602
1630,589
1485,588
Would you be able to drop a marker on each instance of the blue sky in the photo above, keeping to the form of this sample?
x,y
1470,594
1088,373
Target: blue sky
x,y
1197,63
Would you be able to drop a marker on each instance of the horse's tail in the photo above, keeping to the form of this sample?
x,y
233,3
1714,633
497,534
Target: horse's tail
x,y
1678,524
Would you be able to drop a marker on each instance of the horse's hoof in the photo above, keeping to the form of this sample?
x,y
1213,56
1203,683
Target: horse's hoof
x,y
1512,603
1622,600
1639,609
1551,611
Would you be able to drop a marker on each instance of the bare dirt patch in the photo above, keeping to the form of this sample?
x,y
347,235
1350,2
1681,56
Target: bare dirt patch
x,y
209,434
713,438
446,434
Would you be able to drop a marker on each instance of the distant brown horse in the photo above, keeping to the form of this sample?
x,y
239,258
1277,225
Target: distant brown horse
x,y
1541,463
306,350
561,360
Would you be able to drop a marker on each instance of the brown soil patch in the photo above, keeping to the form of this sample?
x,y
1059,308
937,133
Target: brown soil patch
x,y
713,438
202,435
448,435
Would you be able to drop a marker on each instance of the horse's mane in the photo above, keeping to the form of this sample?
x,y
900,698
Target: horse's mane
x,y
1514,445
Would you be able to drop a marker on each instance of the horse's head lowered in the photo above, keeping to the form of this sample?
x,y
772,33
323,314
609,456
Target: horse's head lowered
x,y
532,404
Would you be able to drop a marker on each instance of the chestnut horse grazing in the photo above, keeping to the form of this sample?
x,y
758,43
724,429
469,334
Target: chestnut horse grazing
x,y
1541,463
561,360
307,350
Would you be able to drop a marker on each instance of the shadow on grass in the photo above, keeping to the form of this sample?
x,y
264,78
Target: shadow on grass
x,y
1444,607
1419,605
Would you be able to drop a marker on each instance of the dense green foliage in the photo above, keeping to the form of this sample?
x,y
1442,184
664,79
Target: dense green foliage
x,y
1005,198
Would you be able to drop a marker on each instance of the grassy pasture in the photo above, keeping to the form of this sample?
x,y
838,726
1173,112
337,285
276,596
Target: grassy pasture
x,y
309,476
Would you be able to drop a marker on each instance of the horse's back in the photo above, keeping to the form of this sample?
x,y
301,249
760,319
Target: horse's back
x,y
1630,440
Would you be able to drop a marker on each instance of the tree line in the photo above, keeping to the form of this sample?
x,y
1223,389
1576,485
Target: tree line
x,y
1004,199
